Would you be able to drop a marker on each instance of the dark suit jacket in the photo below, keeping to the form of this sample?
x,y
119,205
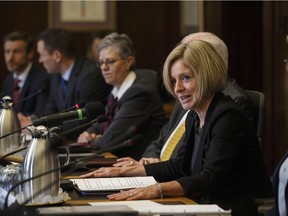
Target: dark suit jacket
x,y
232,172
86,84
139,106
232,89
37,79
155,148
275,182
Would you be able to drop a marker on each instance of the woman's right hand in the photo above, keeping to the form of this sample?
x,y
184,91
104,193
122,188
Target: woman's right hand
x,y
86,137
126,161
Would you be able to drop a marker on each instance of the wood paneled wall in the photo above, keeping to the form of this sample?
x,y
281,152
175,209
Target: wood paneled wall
x,y
155,29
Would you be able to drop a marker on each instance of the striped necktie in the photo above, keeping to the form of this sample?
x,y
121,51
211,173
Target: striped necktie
x,y
178,133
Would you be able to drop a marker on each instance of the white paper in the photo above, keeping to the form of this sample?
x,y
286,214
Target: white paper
x,y
113,184
3,195
147,207
134,203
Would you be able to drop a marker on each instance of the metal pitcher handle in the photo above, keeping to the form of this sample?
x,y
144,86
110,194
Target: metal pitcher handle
x,y
67,155
55,141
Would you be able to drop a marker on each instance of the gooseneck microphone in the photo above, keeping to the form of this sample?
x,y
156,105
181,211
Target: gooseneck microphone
x,y
44,90
126,143
90,111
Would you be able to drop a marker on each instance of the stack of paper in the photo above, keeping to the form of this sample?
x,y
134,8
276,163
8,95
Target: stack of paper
x,y
152,208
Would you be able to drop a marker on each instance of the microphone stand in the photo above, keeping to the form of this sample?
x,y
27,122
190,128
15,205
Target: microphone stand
x,y
11,153
74,164
30,96
15,131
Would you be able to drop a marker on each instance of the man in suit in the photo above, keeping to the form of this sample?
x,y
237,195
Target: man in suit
x,y
154,152
30,92
74,80
137,107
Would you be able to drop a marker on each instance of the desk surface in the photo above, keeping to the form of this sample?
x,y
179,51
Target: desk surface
x,y
78,199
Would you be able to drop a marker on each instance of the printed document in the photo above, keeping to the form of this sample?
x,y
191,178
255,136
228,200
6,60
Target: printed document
x,y
113,184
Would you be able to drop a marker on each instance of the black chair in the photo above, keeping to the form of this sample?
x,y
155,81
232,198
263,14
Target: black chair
x,y
258,99
150,75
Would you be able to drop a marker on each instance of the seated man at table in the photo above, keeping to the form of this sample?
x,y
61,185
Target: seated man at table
x,y
133,102
74,79
157,151
27,82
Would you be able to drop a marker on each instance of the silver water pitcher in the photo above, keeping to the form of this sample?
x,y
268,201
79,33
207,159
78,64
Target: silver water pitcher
x,y
9,123
41,164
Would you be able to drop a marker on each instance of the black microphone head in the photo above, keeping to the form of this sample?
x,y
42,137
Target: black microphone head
x,y
101,118
93,110
44,90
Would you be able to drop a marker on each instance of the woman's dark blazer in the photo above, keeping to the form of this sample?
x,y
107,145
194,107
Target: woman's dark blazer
x,y
139,106
229,170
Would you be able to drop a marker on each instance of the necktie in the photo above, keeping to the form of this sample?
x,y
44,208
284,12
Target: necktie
x,y
110,108
64,85
16,90
173,142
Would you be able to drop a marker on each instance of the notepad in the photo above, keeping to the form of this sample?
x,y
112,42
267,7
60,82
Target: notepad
x,y
113,184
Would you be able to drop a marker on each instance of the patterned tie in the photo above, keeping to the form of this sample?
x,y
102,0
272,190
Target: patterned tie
x,y
110,108
178,133
16,90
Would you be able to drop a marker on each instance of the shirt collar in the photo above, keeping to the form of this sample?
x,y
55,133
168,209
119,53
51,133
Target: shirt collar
x,y
67,73
126,84
22,77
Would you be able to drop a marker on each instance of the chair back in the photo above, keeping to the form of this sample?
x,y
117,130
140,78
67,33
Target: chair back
x,y
258,99
150,75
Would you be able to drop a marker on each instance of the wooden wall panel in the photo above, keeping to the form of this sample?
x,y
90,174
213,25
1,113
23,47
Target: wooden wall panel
x,y
20,15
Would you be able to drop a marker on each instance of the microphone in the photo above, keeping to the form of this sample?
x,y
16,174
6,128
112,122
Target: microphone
x,y
44,90
56,138
127,143
76,106
9,92
124,136
90,111
73,164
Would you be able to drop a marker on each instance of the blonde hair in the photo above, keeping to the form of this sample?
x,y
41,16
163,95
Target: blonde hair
x,y
209,68
211,38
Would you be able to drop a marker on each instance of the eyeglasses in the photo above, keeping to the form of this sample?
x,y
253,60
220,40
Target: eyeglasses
x,y
107,62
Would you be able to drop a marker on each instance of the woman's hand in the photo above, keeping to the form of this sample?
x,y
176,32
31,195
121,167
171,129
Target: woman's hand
x,y
126,161
103,172
149,192
86,137
145,161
